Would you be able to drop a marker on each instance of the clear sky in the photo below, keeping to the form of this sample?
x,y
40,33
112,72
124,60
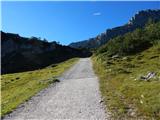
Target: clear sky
x,y
67,22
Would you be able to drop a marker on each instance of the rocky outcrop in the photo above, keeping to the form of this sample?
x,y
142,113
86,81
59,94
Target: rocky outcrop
x,y
138,21
22,54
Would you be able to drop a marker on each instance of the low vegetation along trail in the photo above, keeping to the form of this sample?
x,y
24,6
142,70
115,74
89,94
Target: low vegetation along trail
x,y
76,96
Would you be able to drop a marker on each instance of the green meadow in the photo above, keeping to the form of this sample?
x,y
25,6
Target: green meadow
x,y
17,88
124,93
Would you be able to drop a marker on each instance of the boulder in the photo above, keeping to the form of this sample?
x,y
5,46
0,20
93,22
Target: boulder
x,y
148,76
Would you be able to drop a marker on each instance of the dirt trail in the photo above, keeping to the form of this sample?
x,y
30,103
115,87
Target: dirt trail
x,y
76,96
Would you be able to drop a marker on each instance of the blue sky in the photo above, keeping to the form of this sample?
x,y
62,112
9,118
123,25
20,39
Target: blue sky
x,y
67,22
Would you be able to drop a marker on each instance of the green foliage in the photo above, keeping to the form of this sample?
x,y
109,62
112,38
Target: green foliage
x,y
133,42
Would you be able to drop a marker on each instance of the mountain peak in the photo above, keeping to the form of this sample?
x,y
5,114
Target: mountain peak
x,y
139,20
142,16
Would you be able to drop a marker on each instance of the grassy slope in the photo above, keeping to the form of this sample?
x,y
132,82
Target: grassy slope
x,y
19,87
125,95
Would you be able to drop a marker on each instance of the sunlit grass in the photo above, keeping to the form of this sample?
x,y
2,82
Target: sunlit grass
x,y
19,87
126,96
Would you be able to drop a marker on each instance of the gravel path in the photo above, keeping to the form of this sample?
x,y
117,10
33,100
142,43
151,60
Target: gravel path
x,y
75,97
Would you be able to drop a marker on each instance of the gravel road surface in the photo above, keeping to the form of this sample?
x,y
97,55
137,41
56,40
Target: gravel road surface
x,y
75,97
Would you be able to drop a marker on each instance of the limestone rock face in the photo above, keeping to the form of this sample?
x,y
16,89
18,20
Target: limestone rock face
x,y
140,19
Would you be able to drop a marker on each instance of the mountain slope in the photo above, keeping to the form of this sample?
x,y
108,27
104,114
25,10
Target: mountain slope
x,y
138,21
23,54
122,64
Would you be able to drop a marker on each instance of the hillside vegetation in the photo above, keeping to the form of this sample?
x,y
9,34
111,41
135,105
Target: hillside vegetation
x,y
34,52
121,63
16,88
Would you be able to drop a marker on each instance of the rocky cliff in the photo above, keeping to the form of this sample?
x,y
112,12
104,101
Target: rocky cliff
x,y
138,21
